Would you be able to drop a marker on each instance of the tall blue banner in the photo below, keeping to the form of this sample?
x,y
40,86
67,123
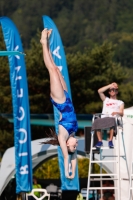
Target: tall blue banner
x,y
20,101
59,58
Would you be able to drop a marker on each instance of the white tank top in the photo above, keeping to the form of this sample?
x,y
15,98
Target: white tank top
x,y
110,106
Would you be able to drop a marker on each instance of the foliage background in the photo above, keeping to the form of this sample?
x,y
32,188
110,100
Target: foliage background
x,y
50,169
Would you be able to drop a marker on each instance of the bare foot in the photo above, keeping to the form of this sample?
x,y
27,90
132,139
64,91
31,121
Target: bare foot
x,y
44,36
49,32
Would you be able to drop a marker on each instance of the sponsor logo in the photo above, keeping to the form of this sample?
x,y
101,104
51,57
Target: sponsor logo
x,y
129,116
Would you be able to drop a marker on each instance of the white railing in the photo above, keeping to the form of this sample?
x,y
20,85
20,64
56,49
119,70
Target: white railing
x,y
42,191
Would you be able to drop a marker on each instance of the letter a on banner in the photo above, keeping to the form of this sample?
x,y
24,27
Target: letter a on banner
x,y
20,101
59,58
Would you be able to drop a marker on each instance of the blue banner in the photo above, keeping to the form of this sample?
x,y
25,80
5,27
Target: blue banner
x,y
20,101
59,58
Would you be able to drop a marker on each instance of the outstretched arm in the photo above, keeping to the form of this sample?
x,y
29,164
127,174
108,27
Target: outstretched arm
x,y
103,89
62,141
73,164
63,146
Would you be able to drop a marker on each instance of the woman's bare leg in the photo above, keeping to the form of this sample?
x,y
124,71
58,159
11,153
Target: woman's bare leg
x,y
111,132
56,87
99,136
62,80
60,75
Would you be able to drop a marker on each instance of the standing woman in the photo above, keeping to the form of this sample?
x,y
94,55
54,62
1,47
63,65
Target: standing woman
x,y
67,125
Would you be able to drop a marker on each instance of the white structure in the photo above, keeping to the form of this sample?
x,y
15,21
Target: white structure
x,y
125,163
43,191
128,139
39,153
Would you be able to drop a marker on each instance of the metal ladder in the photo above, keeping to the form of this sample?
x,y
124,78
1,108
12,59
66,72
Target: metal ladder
x,y
114,176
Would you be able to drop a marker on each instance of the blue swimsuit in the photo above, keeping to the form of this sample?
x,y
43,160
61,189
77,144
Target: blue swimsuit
x,y
68,121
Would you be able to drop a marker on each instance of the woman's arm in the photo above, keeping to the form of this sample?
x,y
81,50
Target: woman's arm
x,y
121,111
63,146
103,89
73,164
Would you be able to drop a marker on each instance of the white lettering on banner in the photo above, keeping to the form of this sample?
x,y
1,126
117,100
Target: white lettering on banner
x,y
25,133
56,52
23,169
23,154
60,68
16,48
20,94
18,77
23,114
69,168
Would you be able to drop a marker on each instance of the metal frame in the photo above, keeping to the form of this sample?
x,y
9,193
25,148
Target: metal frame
x,y
116,176
38,190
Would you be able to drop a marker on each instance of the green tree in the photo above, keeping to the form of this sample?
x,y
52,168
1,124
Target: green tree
x,y
91,21
38,80
6,129
88,71
5,89
33,12
127,93
123,48
91,70
6,140
8,7
50,169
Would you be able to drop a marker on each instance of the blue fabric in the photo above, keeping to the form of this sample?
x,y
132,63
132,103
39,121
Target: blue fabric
x,y
99,144
20,101
68,121
110,144
59,58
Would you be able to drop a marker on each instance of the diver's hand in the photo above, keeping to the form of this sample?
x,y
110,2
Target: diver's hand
x,y
66,173
114,85
71,177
